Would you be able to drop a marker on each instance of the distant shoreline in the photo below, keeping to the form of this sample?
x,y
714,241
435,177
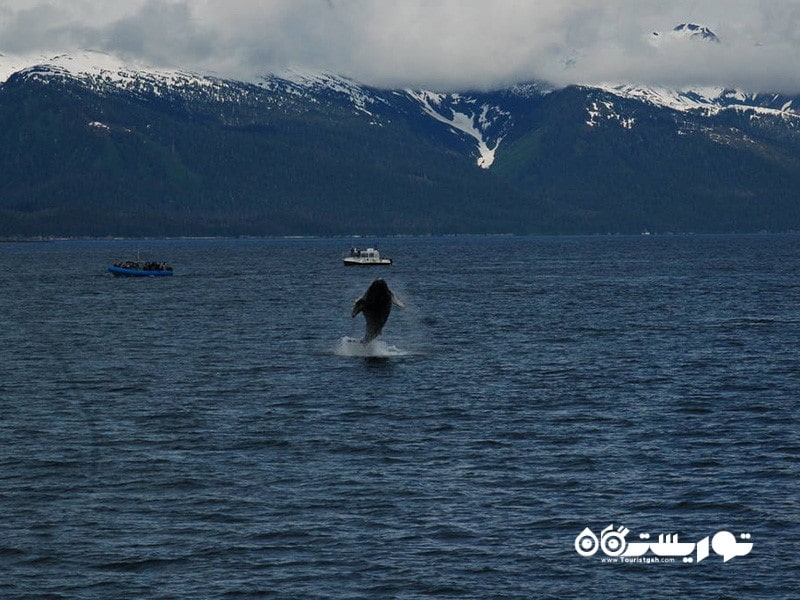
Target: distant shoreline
x,y
55,238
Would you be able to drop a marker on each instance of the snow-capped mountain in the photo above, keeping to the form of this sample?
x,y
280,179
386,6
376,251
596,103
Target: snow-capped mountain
x,y
708,101
480,120
686,31
703,100
96,69
301,151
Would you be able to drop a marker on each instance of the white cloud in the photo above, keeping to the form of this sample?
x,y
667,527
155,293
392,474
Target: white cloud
x,y
445,44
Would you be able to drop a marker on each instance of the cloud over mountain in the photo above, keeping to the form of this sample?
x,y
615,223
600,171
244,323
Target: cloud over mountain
x,y
443,44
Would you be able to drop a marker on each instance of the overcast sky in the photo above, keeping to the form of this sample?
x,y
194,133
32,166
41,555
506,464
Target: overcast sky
x,y
439,44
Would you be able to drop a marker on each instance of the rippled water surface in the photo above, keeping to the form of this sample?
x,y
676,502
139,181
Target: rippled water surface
x,y
216,435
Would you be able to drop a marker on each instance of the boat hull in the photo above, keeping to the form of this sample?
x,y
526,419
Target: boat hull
x,y
354,262
123,272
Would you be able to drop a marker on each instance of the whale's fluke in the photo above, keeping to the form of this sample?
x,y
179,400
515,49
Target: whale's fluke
x,y
376,304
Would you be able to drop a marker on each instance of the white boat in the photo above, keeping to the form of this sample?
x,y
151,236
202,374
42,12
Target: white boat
x,y
370,256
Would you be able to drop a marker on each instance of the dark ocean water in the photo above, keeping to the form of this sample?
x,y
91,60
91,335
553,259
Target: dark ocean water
x,y
206,435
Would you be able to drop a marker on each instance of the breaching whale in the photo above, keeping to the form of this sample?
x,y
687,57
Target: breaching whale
x,y
376,304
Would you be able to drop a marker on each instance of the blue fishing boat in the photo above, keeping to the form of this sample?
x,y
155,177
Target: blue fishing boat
x,y
139,268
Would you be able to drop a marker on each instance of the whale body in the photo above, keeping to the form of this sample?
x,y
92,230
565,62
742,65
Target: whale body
x,y
376,304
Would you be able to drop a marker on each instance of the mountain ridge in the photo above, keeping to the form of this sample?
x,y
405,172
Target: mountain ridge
x,y
239,157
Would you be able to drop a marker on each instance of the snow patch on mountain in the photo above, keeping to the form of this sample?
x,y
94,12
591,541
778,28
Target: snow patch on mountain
x,y
530,89
709,101
305,81
433,104
699,99
606,111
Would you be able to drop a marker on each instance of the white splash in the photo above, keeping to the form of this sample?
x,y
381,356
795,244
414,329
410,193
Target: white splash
x,y
349,346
